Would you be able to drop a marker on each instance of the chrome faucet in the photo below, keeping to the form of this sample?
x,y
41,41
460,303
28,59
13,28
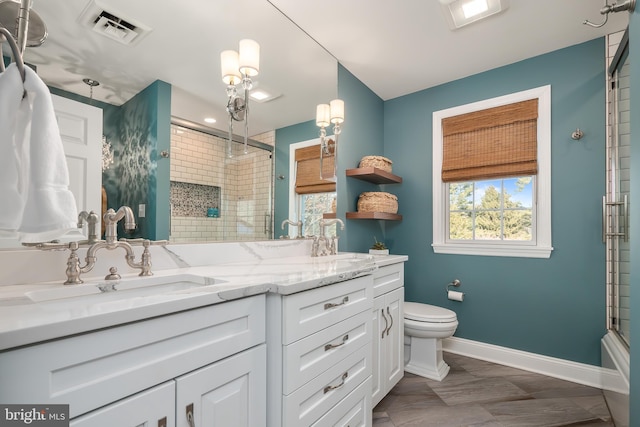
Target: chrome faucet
x,y
295,224
111,219
321,244
91,219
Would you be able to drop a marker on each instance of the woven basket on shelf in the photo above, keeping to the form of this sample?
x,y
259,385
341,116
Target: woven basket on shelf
x,y
378,201
376,162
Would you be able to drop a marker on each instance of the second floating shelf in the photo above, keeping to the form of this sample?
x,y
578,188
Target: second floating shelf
x,y
374,215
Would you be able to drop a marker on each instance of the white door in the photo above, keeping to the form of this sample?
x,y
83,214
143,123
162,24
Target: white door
x,y
81,132
231,392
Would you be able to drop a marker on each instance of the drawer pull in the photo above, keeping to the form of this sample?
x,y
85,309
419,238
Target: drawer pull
x,y
329,305
328,347
390,318
190,420
386,323
162,422
328,388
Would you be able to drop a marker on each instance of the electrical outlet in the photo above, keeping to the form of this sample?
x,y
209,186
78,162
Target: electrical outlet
x,y
141,210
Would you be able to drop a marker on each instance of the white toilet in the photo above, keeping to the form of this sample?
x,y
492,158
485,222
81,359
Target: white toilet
x,y
424,328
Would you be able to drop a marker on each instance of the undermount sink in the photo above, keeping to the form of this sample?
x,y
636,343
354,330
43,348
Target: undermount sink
x,y
124,288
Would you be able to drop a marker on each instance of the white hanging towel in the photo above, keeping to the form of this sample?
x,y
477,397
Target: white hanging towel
x,y
49,207
13,146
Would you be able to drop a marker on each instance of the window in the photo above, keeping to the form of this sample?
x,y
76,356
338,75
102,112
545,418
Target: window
x,y
309,196
490,198
499,209
313,206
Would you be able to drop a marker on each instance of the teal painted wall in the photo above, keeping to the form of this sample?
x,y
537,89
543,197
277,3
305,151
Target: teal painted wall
x,y
362,135
284,138
634,46
160,118
553,306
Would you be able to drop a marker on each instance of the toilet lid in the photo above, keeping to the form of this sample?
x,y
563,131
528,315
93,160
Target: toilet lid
x,y
428,313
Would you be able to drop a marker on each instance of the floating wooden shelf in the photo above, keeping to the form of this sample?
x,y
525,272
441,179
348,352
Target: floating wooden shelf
x,y
374,215
375,175
329,215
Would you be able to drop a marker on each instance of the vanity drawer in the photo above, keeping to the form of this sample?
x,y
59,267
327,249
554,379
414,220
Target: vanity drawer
x,y
311,401
91,370
307,358
352,411
310,311
388,278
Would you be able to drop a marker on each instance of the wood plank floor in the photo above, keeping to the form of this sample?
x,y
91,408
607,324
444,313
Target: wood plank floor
x,y
479,393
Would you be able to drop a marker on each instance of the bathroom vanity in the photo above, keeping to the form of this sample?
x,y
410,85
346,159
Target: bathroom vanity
x,y
270,342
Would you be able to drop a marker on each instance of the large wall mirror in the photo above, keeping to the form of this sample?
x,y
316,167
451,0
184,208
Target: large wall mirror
x,y
179,44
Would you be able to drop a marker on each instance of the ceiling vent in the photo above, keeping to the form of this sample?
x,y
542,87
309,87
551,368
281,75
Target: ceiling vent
x,y
111,24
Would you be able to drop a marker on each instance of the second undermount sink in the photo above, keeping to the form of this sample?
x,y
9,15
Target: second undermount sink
x,y
124,288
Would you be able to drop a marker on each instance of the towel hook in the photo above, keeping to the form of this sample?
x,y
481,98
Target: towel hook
x,y
17,57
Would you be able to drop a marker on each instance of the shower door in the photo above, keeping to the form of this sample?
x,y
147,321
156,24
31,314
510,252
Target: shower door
x,y
615,204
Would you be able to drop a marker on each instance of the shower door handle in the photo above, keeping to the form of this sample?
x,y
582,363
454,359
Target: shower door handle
x,y
607,209
625,214
604,219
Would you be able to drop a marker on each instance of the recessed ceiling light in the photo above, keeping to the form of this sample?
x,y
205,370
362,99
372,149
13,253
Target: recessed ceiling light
x,y
259,95
464,12
473,8
210,120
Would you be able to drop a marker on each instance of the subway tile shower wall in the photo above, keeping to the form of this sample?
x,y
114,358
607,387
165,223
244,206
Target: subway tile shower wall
x,y
244,183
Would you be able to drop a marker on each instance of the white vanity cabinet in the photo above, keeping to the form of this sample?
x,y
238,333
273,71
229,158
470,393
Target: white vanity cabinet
x,y
388,329
319,356
211,359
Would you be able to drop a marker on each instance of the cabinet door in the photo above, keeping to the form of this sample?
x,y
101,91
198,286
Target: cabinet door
x,y
151,408
388,343
231,392
394,338
379,326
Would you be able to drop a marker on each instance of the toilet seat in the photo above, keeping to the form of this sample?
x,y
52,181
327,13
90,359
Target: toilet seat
x,y
428,313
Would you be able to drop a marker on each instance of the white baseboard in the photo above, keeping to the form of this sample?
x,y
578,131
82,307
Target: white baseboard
x,y
593,376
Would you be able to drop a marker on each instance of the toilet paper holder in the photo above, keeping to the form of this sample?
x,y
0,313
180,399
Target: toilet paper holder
x,y
455,283
454,295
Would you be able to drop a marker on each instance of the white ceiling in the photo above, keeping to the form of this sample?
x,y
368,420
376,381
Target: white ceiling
x,y
400,47
394,47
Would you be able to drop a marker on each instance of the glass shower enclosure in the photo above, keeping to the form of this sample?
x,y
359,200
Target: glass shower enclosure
x,y
218,190
615,204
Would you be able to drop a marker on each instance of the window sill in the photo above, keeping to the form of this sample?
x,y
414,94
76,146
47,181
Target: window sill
x,y
493,250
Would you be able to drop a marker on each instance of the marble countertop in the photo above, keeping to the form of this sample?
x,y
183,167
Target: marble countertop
x,y
31,313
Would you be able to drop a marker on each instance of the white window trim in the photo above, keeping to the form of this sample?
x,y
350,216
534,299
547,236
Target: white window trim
x,y
542,248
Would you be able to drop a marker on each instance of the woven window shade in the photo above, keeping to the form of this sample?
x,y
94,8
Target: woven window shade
x,y
308,171
493,143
